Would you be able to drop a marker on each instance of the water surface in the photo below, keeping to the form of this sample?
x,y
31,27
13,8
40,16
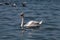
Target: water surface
x,y
46,10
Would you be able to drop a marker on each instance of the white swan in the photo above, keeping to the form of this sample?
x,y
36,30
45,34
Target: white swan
x,y
30,23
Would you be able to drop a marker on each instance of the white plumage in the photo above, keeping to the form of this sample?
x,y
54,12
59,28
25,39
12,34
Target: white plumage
x,y
33,23
30,23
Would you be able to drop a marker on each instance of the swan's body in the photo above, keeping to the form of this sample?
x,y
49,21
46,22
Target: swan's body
x,y
33,24
30,23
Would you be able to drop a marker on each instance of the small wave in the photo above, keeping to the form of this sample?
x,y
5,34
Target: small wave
x,y
52,29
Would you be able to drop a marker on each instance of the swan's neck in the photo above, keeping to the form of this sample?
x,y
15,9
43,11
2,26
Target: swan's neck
x,y
22,22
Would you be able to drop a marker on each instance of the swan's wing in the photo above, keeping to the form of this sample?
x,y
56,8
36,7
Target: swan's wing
x,y
31,23
28,23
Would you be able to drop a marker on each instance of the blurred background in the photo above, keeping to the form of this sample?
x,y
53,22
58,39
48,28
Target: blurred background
x,y
46,10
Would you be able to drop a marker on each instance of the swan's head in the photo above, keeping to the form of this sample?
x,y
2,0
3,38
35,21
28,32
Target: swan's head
x,y
22,14
24,4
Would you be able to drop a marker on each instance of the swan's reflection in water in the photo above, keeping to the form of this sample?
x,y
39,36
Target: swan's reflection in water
x,y
26,34
22,34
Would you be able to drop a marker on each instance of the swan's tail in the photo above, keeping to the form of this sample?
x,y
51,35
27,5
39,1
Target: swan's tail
x,y
41,22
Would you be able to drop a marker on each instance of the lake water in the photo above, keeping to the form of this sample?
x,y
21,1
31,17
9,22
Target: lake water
x,y
46,10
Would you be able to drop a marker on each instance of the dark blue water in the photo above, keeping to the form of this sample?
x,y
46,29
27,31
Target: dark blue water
x,y
46,10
